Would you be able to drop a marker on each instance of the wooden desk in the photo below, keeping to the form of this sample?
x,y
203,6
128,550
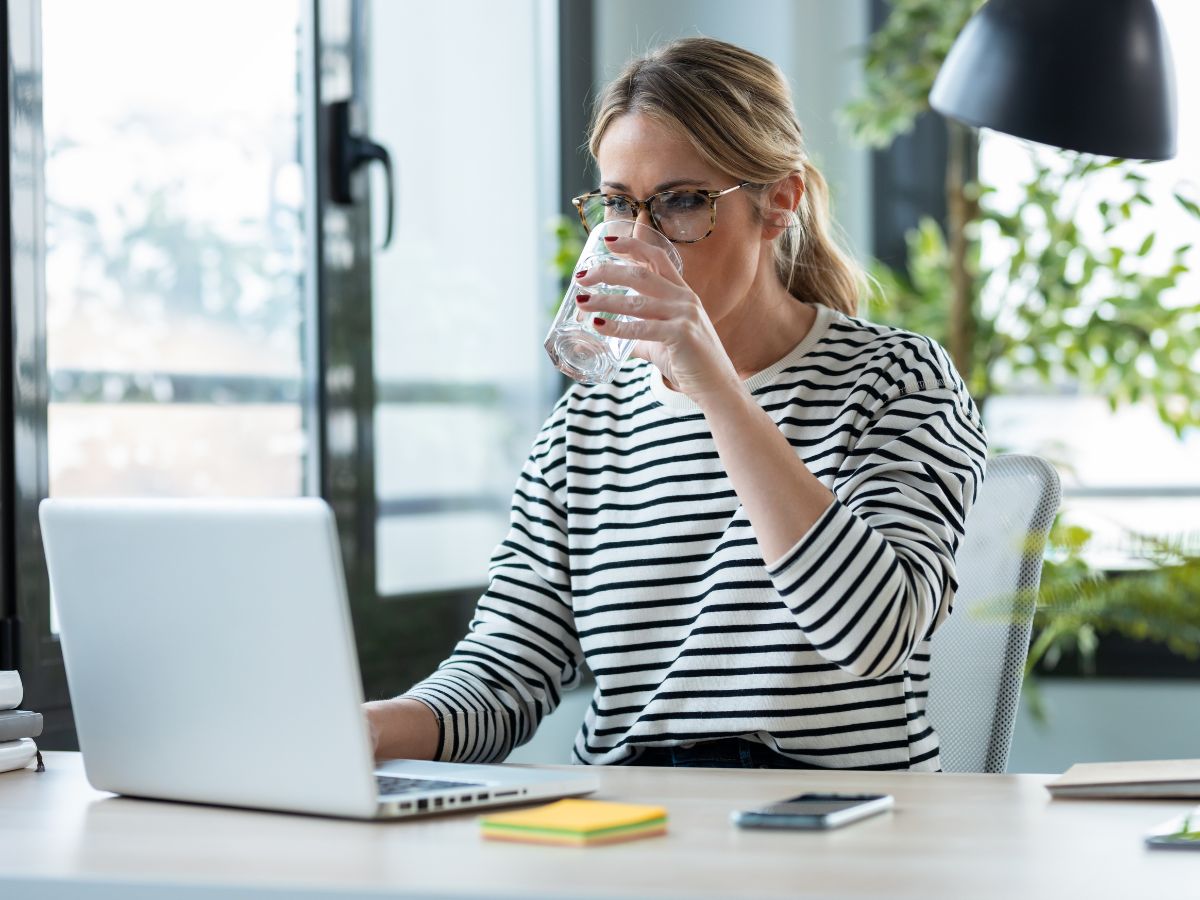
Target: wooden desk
x,y
959,836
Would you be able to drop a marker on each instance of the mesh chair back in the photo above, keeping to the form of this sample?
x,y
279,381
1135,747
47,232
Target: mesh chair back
x,y
978,654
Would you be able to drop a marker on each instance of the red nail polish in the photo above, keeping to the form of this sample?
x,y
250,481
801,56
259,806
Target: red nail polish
x,y
581,273
582,298
610,238
597,321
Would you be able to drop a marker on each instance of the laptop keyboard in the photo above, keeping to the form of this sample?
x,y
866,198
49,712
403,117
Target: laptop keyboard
x,y
390,785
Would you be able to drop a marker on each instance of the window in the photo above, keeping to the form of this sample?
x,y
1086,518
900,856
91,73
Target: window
x,y
175,282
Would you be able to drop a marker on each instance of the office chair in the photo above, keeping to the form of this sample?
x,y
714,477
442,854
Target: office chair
x,y
978,654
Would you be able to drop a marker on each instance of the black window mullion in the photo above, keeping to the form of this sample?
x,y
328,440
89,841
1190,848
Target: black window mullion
x,y
346,388
9,621
26,388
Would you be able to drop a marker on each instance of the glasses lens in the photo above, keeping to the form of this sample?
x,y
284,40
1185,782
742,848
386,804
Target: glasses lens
x,y
683,215
597,209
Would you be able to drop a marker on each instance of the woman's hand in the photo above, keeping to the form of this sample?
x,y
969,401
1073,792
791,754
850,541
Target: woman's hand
x,y
672,329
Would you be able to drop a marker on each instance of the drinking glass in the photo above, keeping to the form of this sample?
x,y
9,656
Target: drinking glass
x,y
574,345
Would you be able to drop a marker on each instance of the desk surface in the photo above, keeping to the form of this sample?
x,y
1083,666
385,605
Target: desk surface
x,y
949,836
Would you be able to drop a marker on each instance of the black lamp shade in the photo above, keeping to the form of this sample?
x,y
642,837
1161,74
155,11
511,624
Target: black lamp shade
x,y
1089,75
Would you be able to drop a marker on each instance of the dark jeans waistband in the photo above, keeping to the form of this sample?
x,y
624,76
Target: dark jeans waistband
x,y
722,753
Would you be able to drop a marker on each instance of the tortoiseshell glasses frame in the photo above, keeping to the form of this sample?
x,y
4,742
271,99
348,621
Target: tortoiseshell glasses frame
x,y
636,206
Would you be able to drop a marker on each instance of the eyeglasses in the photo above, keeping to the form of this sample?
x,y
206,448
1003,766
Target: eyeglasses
x,y
684,217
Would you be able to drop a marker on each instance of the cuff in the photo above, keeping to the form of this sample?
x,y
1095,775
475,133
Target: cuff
x,y
789,558
441,711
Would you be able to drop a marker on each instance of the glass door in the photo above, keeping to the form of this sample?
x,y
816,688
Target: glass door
x,y
466,104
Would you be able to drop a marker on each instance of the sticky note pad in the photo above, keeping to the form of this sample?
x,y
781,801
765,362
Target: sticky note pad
x,y
577,823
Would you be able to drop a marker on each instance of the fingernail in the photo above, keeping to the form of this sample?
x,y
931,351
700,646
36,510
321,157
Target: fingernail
x,y
581,273
597,321
610,238
582,298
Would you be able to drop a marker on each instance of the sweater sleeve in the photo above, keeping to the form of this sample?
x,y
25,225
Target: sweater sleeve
x,y
874,576
521,649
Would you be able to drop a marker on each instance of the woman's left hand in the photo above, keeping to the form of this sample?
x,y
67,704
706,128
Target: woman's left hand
x,y
672,329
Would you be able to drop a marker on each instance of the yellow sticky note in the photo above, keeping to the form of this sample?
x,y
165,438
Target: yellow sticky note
x,y
577,821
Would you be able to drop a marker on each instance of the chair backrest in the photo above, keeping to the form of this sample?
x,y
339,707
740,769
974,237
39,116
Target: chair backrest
x,y
978,654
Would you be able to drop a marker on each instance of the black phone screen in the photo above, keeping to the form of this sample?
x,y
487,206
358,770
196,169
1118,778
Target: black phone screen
x,y
817,804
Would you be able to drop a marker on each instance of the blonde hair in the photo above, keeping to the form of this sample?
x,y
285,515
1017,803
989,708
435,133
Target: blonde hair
x,y
735,108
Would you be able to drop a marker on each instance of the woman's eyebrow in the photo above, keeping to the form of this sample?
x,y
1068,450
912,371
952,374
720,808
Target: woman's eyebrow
x,y
665,186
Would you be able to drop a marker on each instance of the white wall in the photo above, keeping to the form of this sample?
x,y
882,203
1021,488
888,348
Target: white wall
x,y
464,293
810,40
1104,720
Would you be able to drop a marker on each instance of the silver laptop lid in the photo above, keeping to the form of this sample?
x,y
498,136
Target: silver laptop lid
x,y
209,651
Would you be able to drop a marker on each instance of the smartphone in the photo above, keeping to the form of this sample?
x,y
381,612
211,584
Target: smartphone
x,y
1180,833
814,811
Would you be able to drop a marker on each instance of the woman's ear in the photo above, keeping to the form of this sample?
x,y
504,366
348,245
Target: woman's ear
x,y
783,199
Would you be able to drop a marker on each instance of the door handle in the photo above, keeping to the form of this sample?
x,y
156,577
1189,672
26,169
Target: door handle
x,y
347,152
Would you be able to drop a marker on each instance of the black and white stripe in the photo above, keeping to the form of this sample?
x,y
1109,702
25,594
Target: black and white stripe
x,y
628,549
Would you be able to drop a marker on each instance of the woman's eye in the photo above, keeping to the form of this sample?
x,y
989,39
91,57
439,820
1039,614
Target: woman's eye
x,y
682,203
617,205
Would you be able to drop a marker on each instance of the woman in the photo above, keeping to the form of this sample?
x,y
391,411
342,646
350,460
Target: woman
x,y
749,535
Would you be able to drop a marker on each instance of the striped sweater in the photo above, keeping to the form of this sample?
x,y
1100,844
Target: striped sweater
x,y
629,553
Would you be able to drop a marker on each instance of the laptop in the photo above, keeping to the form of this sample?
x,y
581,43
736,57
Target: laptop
x,y
210,657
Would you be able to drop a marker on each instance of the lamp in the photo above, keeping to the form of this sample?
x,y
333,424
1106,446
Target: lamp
x,y
1089,75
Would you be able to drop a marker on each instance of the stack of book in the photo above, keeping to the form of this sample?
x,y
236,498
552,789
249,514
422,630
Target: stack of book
x,y
18,727
1151,779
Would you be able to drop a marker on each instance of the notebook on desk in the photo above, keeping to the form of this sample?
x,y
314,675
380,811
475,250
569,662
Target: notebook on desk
x,y
210,656
1155,778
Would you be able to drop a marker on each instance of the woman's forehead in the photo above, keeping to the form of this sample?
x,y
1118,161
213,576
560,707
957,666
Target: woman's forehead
x,y
642,153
